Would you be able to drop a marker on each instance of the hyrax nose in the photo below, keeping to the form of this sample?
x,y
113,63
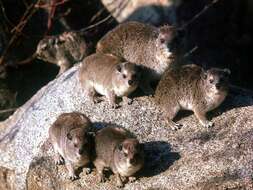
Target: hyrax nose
x,y
132,161
130,82
218,85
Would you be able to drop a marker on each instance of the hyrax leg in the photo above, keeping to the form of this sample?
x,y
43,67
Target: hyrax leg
x,y
71,170
89,91
169,113
58,158
112,99
100,168
118,180
201,116
131,179
126,100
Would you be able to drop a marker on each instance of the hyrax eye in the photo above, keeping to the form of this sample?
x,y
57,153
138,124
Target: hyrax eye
x,y
124,76
125,154
211,81
75,145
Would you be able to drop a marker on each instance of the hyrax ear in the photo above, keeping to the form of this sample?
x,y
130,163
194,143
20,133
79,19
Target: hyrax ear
x,y
120,147
69,136
227,71
204,75
166,33
118,67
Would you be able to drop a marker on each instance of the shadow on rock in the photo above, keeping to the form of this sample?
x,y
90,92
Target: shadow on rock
x,y
158,158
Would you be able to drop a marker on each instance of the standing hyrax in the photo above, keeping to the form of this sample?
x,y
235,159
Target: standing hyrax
x,y
117,149
71,141
109,76
142,44
63,50
191,88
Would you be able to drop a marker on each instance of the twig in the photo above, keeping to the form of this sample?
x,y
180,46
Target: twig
x,y
191,51
27,15
199,14
8,110
94,25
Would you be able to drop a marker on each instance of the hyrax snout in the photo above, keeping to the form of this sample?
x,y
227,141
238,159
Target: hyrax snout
x,y
108,75
63,50
191,88
119,150
71,141
145,45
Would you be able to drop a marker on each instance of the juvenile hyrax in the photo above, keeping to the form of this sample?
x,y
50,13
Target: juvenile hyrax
x,y
117,149
63,50
108,75
71,141
142,44
191,88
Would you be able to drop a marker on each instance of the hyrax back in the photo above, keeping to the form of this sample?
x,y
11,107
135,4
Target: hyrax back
x,y
191,88
62,50
108,75
142,44
71,141
119,150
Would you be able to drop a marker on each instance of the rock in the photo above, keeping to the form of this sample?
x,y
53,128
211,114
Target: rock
x,y
152,11
190,158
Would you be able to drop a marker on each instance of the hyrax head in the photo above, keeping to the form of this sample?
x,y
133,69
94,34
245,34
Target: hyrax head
x,y
130,151
79,142
46,49
128,74
216,79
166,36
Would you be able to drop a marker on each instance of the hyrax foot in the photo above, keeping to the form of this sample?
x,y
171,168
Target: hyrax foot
x,y
58,159
119,181
207,124
132,179
114,106
87,170
73,177
102,178
127,101
174,126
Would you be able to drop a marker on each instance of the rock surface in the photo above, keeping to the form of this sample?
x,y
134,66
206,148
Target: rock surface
x,y
153,11
190,158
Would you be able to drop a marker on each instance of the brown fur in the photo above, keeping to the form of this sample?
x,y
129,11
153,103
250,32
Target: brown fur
x,y
119,150
109,76
142,44
63,50
71,141
189,87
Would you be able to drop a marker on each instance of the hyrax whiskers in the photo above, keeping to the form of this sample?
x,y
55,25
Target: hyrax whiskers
x,y
191,88
143,44
71,141
63,50
108,75
118,149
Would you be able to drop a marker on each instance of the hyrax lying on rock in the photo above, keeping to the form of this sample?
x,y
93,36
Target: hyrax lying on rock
x,y
108,75
142,44
117,149
191,88
71,141
63,50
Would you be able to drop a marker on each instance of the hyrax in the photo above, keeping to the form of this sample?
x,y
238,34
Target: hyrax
x,y
117,149
108,75
144,45
63,50
191,88
71,141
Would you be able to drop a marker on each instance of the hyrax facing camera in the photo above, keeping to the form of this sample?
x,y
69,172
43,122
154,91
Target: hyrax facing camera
x,y
108,75
191,88
63,50
119,150
71,141
144,45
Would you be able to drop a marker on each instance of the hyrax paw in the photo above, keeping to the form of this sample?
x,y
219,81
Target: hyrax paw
x,y
132,179
59,160
176,126
208,124
102,179
119,184
87,171
73,177
114,106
